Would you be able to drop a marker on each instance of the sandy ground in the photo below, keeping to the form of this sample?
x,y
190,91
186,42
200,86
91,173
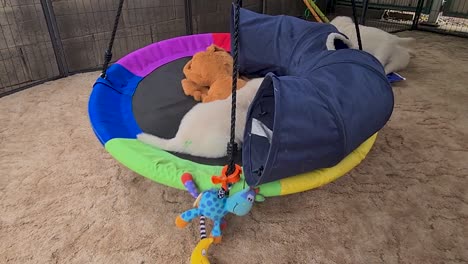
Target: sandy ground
x,y
63,199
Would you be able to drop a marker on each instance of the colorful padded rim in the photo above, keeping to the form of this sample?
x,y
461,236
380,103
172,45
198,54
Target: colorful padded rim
x,y
111,117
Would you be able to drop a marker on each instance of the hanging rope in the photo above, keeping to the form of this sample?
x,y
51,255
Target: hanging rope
x,y
356,24
108,54
232,145
230,173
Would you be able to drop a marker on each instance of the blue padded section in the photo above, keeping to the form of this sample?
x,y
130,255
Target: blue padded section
x,y
121,80
320,104
110,105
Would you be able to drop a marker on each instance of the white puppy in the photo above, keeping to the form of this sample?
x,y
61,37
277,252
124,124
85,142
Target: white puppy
x,y
205,129
392,51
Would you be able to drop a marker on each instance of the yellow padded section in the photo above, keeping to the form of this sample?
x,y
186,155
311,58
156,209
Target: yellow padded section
x,y
317,178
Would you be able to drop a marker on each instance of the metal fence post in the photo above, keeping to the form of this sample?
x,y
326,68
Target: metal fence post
x,y
188,17
55,37
417,15
364,12
264,7
435,12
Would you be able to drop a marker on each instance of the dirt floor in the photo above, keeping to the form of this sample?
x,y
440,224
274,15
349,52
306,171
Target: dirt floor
x,y
63,199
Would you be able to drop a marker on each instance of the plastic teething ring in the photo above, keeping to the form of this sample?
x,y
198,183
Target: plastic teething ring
x,y
224,179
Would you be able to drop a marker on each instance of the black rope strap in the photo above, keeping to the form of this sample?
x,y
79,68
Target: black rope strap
x,y
232,145
356,24
108,54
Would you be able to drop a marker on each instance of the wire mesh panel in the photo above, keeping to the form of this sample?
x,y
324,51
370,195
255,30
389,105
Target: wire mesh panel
x,y
43,39
393,20
450,16
445,16
214,15
26,53
85,27
388,15
285,7
456,8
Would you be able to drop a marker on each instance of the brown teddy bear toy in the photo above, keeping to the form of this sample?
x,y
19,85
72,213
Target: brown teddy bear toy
x,y
209,75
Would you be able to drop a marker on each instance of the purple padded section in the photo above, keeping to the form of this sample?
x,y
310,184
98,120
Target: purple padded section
x,y
145,60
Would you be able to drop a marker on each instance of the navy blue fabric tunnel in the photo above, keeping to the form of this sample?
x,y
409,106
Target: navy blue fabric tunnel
x,y
319,101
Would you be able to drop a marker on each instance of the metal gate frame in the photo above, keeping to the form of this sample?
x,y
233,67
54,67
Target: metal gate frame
x,y
59,50
361,4
426,7
49,15
60,59
32,82
57,44
447,9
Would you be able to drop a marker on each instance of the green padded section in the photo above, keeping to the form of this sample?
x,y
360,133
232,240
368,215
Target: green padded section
x,y
164,168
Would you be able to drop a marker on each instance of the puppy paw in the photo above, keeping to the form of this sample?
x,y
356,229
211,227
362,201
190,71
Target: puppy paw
x,y
142,136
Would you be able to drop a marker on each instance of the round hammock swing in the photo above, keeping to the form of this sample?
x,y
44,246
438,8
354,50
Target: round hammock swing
x,y
142,92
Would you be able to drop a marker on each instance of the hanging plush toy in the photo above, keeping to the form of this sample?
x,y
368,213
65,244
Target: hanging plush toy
x,y
215,205
189,184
